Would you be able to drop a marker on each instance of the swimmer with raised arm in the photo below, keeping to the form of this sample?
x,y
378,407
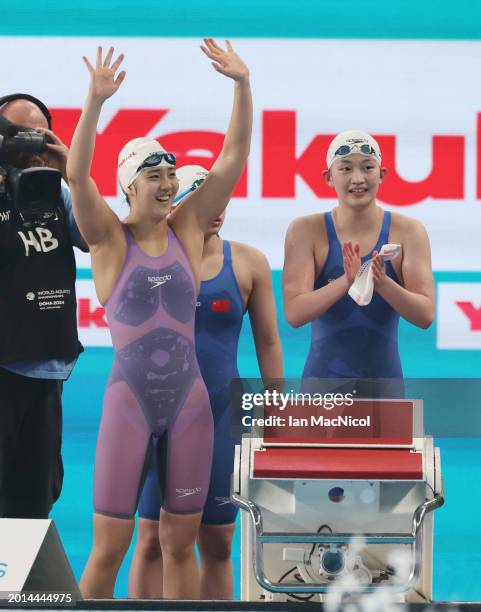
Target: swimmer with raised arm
x,y
147,273
236,278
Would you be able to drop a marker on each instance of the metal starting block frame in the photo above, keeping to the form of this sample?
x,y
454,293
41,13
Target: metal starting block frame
x,y
390,486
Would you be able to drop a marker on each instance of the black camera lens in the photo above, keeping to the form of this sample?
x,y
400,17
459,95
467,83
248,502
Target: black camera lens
x,y
26,142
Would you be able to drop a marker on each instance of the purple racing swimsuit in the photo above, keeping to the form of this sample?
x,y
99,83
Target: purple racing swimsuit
x,y
155,388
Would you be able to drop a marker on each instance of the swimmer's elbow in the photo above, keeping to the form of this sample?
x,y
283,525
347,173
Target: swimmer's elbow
x,y
293,318
426,323
297,310
295,323
426,319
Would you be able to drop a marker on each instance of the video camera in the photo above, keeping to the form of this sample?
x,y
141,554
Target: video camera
x,y
33,193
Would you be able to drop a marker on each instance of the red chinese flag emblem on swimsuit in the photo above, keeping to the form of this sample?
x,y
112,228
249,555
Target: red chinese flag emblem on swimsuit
x,y
220,305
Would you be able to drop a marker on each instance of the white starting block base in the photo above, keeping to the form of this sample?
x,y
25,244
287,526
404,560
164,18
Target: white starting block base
x,y
347,517
32,558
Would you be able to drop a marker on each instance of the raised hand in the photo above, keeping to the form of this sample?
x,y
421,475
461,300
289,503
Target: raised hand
x,y
352,260
103,83
226,62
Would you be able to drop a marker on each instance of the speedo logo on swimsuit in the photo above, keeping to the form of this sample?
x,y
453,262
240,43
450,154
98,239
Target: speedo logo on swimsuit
x,y
187,492
159,280
222,501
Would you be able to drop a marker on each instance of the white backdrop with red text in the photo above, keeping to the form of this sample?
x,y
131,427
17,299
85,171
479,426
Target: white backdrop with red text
x,y
422,99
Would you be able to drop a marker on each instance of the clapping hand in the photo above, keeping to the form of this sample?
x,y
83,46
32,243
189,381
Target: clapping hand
x,y
352,260
378,270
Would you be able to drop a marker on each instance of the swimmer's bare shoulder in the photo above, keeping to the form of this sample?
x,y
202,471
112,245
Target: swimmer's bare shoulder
x,y
251,258
250,266
402,226
306,242
411,234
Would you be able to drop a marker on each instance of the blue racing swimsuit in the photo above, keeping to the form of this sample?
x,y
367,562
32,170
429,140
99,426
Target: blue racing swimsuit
x,y
218,324
350,341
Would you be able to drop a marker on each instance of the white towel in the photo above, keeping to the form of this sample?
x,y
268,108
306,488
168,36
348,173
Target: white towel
x,y
362,288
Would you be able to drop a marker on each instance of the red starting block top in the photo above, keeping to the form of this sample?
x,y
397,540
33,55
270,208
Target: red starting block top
x,y
363,422
338,463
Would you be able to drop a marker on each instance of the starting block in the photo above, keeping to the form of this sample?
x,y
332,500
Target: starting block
x,y
338,502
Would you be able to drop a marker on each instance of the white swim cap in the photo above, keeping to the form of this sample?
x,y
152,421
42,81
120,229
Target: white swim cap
x,y
134,154
350,143
190,177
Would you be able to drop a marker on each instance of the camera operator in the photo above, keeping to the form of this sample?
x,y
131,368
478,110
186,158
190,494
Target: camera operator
x,y
38,331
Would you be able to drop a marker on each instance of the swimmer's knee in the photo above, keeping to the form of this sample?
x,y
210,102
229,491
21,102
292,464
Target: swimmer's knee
x,y
177,544
178,533
110,554
112,538
178,552
215,542
148,544
216,551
